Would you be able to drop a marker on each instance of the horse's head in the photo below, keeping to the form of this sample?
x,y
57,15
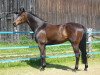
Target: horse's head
x,y
22,17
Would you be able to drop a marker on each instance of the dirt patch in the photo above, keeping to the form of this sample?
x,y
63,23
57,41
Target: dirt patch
x,y
92,70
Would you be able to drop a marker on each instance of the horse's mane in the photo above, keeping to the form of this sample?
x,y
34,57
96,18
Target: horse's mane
x,y
36,16
45,23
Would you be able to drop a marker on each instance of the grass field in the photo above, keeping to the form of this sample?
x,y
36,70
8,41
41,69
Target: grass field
x,y
30,52
58,66
55,66
34,52
66,61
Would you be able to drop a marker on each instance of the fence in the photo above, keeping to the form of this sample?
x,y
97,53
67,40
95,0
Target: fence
x,y
32,49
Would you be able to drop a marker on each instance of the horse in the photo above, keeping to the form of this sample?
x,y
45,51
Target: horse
x,y
47,34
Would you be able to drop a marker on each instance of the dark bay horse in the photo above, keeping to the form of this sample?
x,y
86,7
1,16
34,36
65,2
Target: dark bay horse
x,y
55,34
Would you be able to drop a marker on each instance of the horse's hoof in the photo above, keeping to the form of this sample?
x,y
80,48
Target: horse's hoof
x,y
85,69
42,68
75,69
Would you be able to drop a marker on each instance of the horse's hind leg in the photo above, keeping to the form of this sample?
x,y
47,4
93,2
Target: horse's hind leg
x,y
77,54
42,55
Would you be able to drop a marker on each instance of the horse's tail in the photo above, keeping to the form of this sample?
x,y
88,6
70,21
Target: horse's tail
x,y
82,47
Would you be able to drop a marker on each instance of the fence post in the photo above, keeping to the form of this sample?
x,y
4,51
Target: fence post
x,y
16,29
89,40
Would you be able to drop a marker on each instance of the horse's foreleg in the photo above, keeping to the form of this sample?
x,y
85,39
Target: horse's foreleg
x,y
77,55
42,55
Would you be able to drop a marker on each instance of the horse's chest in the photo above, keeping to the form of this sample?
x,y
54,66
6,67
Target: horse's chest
x,y
41,36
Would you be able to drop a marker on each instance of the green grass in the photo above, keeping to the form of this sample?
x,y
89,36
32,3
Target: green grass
x,y
56,62
36,63
53,50
34,51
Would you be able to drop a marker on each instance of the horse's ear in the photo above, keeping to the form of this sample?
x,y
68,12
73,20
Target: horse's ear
x,y
15,12
22,9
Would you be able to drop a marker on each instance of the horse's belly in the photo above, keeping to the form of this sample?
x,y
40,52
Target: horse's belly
x,y
57,40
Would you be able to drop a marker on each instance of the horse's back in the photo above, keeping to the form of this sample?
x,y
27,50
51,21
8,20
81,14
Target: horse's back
x,y
55,34
75,25
63,32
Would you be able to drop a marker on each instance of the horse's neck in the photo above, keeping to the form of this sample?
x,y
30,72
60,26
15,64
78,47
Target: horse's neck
x,y
34,22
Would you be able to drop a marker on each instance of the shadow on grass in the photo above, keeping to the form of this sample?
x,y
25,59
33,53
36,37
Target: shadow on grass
x,y
58,66
37,64
34,63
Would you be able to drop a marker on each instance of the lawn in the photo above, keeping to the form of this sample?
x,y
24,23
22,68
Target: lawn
x,y
34,52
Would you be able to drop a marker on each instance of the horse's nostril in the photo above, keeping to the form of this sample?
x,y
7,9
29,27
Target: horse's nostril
x,y
14,24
